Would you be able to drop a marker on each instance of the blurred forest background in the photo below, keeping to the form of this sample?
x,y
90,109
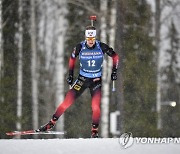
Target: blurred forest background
x,y
37,38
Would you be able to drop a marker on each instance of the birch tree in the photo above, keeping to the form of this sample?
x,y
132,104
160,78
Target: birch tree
x,y
164,11
52,29
1,47
112,25
171,85
105,79
19,69
46,41
119,98
34,67
60,32
112,35
157,44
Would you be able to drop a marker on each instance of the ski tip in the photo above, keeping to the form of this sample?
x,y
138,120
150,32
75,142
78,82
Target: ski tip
x,y
9,133
20,133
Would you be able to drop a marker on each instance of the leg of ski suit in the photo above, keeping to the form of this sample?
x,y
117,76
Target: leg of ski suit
x,y
77,89
95,90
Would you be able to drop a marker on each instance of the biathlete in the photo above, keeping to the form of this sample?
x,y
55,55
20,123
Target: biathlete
x,y
90,53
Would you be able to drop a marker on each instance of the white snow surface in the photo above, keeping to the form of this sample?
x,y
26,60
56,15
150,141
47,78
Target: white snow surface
x,y
81,146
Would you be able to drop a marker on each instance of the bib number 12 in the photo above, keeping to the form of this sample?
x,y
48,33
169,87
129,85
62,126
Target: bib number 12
x,y
91,63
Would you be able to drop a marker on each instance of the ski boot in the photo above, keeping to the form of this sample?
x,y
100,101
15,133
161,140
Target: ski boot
x,y
94,131
49,125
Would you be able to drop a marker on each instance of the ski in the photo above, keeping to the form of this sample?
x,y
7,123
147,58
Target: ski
x,y
32,132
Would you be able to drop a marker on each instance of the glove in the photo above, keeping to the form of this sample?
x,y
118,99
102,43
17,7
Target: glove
x,y
70,79
114,75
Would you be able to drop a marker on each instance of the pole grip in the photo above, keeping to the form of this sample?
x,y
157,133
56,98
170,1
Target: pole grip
x,y
113,86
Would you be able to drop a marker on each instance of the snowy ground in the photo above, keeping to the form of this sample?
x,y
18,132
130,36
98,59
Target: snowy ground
x,y
81,146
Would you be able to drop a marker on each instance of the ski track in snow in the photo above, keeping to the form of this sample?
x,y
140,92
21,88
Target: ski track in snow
x,y
81,146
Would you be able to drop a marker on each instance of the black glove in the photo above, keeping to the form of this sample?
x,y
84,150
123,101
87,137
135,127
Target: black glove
x,y
114,75
70,79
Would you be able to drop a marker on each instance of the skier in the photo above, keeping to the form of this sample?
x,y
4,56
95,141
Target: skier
x,y
90,53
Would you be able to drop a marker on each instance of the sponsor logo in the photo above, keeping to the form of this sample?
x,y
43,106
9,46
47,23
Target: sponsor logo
x,y
91,53
80,83
77,87
82,78
96,87
90,33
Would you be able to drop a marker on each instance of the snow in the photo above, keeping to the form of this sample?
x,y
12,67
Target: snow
x,y
81,146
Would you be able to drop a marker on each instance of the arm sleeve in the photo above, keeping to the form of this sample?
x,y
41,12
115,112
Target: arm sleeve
x,y
72,59
110,52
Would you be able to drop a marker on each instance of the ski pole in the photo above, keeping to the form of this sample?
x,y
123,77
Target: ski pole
x,y
92,18
113,86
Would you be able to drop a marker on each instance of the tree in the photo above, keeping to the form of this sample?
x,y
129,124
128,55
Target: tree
x,y
158,69
9,78
164,11
119,46
1,51
44,38
34,67
139,70
171,85
1,43
47,37
26,119
105,77
59,64
19,69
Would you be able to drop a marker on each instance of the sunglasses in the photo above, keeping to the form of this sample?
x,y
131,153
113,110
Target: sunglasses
x,y
90,38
